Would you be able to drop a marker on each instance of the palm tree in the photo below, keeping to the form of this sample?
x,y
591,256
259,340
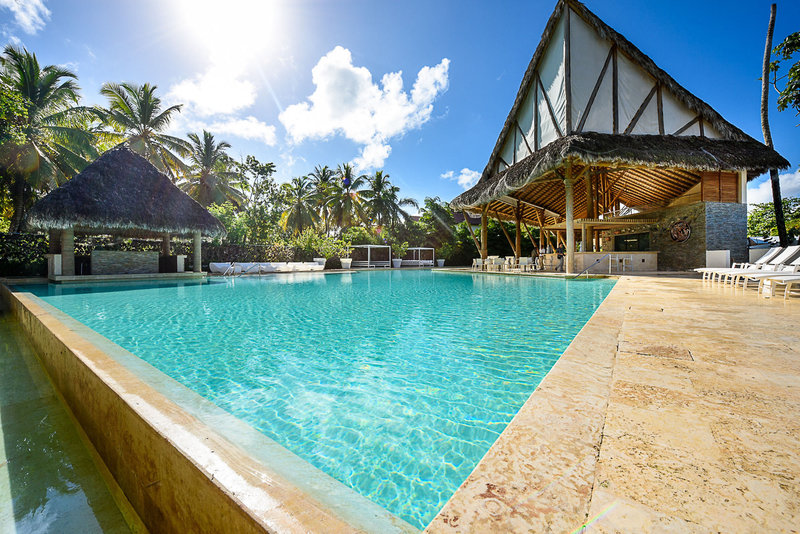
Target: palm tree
x,y
383,202
344,201
209,179
321,180
54,146
135,116
301,213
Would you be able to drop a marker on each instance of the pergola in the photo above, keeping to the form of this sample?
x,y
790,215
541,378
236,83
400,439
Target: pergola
x,y
599,136
370,262
416,256
121,194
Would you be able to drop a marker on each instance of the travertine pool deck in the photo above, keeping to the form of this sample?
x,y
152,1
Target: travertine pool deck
x,y
676,409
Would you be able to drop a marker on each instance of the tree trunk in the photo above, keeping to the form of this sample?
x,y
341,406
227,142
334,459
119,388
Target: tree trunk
x,y
780,222
18,202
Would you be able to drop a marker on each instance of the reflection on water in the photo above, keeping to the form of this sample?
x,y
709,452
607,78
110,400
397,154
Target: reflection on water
x,y
48,482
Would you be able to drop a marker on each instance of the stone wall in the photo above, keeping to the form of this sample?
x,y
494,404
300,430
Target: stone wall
x,y
690,254
124,262
714,225
726,228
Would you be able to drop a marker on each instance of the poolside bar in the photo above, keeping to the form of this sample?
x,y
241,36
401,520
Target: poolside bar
x,y
603,148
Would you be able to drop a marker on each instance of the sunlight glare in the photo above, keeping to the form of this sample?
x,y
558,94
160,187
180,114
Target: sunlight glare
x,y
234,29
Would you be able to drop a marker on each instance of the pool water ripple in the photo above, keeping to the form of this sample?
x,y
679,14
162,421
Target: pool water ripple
x,y
394,383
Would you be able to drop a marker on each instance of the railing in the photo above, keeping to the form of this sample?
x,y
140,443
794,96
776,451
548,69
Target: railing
x,y
598,260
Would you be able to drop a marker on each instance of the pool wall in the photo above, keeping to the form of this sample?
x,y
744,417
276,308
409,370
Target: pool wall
x,y
178,474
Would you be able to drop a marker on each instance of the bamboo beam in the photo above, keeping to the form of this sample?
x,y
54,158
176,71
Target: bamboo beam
x,y
518,235
530,234
640,111
567,70
595,90
472,232
505,232
484,233
549,107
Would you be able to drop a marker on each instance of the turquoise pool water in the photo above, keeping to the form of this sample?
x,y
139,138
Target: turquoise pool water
x,y
395,383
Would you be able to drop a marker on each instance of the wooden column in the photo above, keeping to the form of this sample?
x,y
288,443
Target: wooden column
x,y
68,252
197,262
588,245
570,219
165,249
518,216
484,232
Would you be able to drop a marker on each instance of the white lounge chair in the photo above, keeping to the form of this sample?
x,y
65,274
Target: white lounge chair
x,y
219,267
477,264
787,280
763,260
777,264
767,271
247,268
783,257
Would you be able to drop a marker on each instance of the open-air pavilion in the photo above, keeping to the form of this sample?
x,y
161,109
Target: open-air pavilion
x,y
123,195
370,252
601,144
420,256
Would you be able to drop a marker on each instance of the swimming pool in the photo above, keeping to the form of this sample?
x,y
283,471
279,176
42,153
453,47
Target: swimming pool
x,y
395,383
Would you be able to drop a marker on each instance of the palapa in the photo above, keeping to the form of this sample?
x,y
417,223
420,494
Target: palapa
x,y
121,193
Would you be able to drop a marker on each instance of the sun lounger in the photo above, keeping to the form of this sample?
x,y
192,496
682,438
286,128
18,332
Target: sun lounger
x,y
767,271
785,256
219,268
711,272
787,280
247,268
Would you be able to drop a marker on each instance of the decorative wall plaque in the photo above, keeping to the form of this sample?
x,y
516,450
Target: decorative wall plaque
x,y
680,231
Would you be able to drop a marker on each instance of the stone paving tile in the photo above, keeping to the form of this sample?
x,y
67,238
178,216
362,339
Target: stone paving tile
x,y
692,426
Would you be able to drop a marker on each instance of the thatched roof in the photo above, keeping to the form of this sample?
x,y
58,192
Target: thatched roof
x,y
651,152
708,114
121,193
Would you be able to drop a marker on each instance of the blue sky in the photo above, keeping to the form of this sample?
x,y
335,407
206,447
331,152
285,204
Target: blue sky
x,y
418,88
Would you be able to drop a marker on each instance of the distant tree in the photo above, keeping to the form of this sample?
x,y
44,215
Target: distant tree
x,y
209,179
790,94
265,202
46,145
438,221
301,213
344,199
773,173
322,180
761,219
383,202
134,115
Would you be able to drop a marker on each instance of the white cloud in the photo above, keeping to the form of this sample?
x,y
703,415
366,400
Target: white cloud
x,y
30,15
346,102
466,178
224,127
247,128
221,89
762,192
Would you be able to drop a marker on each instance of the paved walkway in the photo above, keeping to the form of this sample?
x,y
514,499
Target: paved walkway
x,y
676,409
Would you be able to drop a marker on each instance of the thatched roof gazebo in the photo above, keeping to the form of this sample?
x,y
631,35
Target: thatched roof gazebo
x,y
121,194
598,130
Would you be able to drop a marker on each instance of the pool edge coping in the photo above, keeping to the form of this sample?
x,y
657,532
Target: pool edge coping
x,y
299,509
539,473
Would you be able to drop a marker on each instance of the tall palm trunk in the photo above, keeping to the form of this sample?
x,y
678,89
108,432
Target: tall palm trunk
x,y
773,173
18,201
